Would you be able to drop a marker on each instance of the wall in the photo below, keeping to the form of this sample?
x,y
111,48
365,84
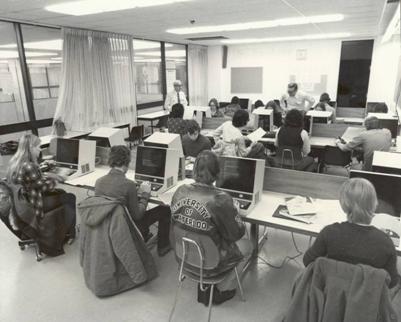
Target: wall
x,y
308,62
315,65
383,71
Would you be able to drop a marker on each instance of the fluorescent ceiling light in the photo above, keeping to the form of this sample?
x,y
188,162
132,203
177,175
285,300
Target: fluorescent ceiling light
x,y
14,54
291,38
393,27
89,7
55,44
258,24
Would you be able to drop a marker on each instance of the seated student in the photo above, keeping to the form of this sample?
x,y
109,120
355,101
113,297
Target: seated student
x,y
356,241
258,104
232,107
40,191
292,136
221,222
215,108
325,107
176,124
371,140
116,185
193,142
277,114
228,134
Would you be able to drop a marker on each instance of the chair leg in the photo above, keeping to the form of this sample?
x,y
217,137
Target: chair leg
x,y
175,301
210,303
239,285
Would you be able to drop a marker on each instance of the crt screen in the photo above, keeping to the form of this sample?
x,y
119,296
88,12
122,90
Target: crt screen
x,y
67,151
237,174
388,190
151,161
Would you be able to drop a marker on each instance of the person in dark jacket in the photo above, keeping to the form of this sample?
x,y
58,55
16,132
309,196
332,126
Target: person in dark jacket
x,y
292,136
116,185
356,241
232,107
193,142
176,124
219,219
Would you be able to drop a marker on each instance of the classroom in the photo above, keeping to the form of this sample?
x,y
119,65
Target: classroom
x,y
200,160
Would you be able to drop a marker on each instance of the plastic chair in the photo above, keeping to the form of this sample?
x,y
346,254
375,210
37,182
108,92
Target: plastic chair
x,y
283,159
194,259
136,135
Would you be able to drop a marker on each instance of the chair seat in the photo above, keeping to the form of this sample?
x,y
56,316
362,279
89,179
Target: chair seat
x,y
207,280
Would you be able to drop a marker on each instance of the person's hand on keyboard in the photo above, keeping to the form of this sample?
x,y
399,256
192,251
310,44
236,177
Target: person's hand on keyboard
x,y
145,187
55,176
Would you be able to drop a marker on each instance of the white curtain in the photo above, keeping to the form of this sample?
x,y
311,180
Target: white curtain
x,y
97,86
197,75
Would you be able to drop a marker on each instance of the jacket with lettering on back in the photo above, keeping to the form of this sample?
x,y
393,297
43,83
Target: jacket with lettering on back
x,y
209,211
113,254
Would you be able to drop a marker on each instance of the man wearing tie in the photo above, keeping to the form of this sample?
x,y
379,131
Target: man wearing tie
x,y
296,99
176,96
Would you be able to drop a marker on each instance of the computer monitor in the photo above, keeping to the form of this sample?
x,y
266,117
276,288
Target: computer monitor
x,y
223,104
388,189
107,137
264,118
157,165
243,179
165,140
245,103
78,155
67,151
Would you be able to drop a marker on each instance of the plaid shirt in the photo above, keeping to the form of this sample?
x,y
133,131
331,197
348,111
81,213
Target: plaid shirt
x,y
34,184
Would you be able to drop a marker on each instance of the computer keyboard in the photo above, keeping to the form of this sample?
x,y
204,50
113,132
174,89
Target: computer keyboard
x,y
269,135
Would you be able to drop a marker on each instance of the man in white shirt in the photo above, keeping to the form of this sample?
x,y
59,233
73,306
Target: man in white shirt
x,y
295,99
176,96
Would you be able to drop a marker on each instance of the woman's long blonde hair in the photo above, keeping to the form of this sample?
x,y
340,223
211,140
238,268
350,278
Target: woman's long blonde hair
x,y
23,154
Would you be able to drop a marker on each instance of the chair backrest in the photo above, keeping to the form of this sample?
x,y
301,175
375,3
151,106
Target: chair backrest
x,y
197,250
137,132
334,156
289,156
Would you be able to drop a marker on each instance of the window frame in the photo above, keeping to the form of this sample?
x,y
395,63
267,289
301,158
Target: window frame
x,y
34,124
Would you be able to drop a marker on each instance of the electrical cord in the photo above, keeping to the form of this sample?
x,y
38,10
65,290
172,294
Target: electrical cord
x,y
286,259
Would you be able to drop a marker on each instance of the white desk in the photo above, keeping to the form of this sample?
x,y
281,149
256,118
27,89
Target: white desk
x,y
328,212
151,117
196,112
45,140
387,162
324,114
384,116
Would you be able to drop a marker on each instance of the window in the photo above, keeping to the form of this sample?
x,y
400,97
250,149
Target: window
x,y
44,65
353,79
13,108
147,56
176,66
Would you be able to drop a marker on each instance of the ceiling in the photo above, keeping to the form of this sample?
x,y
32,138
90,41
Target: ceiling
x,y
363,18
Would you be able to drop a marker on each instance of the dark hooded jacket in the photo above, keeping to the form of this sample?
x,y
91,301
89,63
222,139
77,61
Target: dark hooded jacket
x,y
113,254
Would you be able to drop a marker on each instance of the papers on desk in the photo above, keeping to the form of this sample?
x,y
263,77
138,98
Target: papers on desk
x,y
256,135
300,206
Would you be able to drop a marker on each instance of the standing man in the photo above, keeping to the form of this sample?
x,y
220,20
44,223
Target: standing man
x,y
176,96
295,99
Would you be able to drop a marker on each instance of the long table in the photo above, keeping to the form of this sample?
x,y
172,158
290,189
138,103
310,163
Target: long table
x,y
151,117
278,184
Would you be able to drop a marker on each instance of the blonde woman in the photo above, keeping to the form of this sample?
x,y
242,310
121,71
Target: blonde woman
x,y
355,241
40,189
